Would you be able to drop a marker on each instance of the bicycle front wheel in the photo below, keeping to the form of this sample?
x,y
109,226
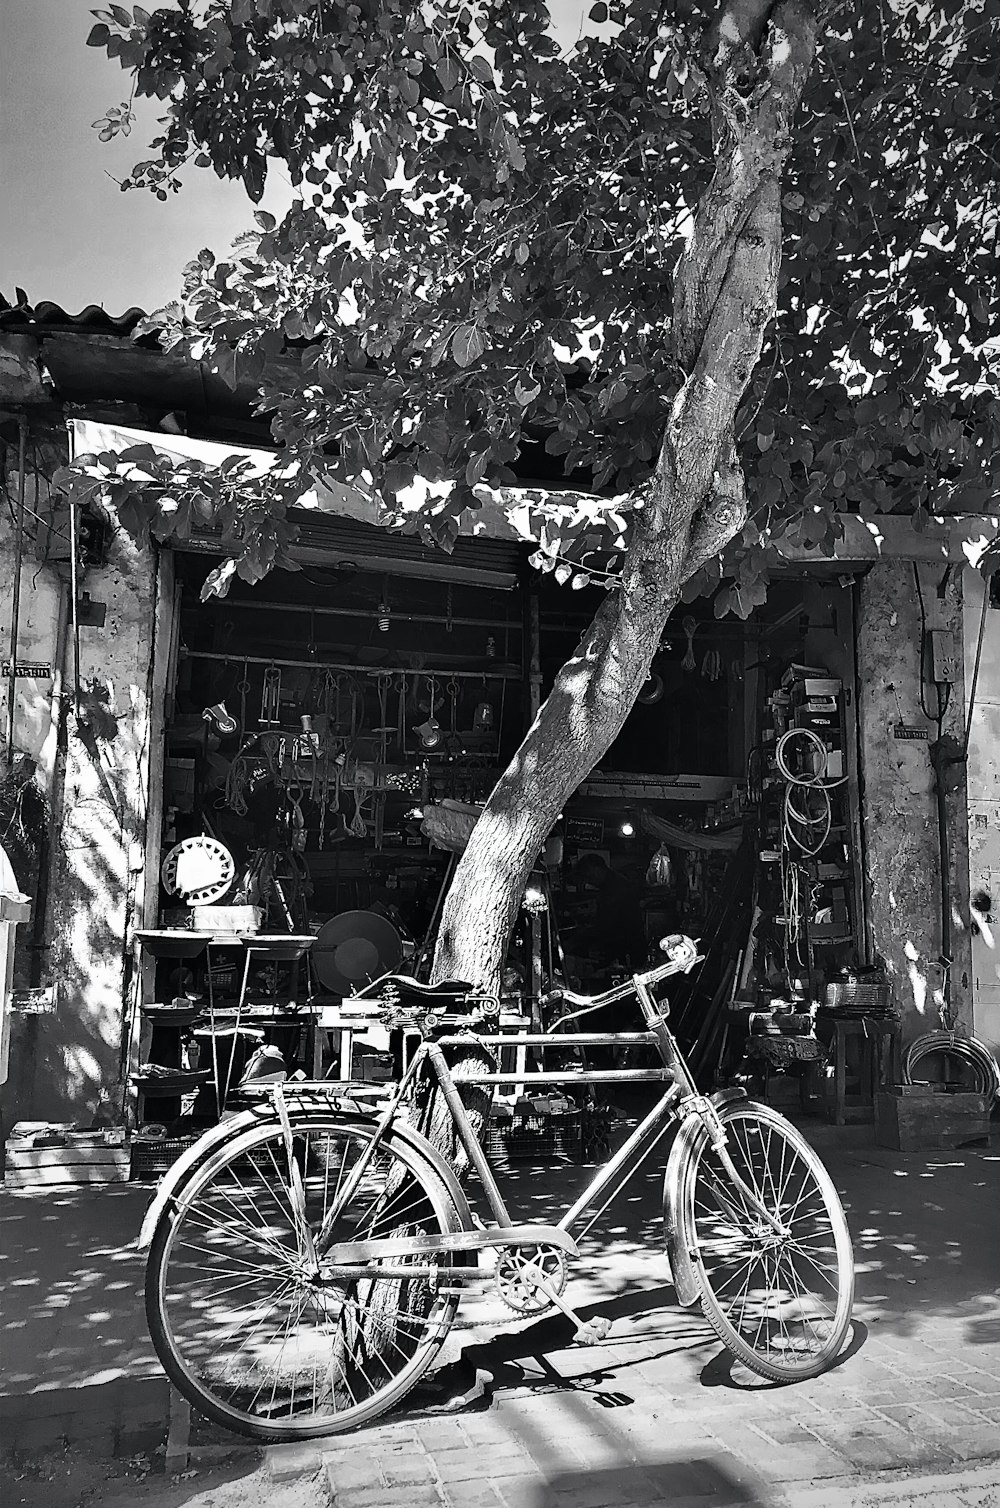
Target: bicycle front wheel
x,y
259,1335
779,1301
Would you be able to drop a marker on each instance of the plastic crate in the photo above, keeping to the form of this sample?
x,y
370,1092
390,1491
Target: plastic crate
x,y
151,1157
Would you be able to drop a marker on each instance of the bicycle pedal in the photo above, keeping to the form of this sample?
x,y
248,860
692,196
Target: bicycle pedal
x,y
591,1331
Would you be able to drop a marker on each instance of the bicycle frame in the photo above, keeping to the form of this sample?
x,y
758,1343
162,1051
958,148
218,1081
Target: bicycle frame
x,y
680,1101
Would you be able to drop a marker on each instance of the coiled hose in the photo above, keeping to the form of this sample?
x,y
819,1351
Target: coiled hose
x,y
950,1044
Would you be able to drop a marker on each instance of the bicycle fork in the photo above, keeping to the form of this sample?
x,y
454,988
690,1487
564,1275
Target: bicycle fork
x,y
699,1105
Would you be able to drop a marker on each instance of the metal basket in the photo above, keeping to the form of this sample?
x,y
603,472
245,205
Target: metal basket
x,y
858,997
535,1138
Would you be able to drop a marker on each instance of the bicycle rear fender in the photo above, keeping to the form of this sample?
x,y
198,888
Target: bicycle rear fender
x,y
681,1266
216,1137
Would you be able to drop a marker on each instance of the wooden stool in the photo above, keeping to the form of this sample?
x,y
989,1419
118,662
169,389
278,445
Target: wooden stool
x,y
878,1044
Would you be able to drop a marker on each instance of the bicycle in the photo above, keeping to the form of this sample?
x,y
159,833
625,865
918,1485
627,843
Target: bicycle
x,y
307,1258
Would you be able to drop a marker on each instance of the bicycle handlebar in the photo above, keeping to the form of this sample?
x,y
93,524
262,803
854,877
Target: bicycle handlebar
x,y
683,955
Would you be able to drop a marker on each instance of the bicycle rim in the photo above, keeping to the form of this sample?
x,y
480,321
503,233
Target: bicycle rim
x,y
237,1315
780,1304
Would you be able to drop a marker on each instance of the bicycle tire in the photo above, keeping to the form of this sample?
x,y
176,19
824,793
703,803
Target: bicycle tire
x,y
225,1258
774,1323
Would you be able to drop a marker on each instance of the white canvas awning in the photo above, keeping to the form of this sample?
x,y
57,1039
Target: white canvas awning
x,y
490,521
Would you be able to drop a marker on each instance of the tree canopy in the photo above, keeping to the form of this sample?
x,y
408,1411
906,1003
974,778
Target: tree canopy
x,y
482,255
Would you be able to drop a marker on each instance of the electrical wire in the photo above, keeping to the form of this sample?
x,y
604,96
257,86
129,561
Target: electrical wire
x,y
804,833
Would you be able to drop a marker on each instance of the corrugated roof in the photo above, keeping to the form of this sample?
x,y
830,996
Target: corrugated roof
x,y
22,315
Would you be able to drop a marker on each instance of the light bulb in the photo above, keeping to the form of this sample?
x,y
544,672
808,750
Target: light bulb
x,y
383,617
627,830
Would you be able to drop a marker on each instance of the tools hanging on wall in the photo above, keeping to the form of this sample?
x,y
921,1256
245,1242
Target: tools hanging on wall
x,y
325,733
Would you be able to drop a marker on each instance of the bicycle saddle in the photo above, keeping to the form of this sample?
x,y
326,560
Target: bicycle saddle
x,y
445,992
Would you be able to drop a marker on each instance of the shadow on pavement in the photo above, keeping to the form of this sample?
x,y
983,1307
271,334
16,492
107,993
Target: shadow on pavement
x,y
716,1480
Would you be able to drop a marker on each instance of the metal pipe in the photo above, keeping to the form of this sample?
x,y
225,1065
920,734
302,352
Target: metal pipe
x,y
370,613
652,1128
460,1120
372,670
74,606
975,672
15,617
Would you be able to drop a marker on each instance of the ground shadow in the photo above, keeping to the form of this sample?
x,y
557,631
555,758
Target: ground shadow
x,y
716,1479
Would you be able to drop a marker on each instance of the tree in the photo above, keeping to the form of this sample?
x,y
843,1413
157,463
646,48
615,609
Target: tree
x,y
735,261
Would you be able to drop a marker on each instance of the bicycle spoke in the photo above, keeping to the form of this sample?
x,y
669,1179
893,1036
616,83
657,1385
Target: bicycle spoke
x,y
242,1328
781,1302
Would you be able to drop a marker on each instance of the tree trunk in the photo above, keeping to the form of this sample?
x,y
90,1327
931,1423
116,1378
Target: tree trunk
x,y
725,294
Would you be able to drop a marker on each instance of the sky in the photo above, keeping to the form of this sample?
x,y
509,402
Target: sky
x,y
69,233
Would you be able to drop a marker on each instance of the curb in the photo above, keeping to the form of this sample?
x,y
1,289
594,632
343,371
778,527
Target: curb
x,y
890,1487
111,1418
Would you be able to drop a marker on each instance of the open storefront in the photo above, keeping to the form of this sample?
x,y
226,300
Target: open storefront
x,y
329,737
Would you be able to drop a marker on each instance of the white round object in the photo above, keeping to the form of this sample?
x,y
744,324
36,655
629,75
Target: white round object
x,y
198,870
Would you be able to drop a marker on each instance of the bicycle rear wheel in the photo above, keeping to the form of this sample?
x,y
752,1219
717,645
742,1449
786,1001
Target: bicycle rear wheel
x,y
780,1303
244,1324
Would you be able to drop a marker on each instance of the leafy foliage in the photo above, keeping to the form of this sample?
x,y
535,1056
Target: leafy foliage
x,y
479,268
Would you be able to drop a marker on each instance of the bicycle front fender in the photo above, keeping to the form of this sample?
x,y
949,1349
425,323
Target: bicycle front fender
x,y
682,1268
217,1136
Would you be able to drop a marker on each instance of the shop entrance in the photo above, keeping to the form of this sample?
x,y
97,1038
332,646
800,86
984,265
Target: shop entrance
x,y
334,731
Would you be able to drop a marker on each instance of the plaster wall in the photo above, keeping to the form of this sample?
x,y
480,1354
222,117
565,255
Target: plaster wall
x,y
92,756
898,800
983,777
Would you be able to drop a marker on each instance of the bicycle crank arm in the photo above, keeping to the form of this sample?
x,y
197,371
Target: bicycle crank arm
x,y
588,1332
357,1252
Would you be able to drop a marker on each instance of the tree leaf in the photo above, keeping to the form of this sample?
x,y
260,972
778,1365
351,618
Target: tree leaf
x,y
448,73
468,344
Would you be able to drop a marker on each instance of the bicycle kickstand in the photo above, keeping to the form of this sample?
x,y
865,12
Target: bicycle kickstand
x,y
588,1332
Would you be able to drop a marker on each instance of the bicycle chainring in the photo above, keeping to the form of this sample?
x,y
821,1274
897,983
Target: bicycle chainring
x,y
515,1266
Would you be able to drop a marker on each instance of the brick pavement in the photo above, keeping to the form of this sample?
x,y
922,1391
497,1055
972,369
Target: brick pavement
x,y
656,1415
653,1414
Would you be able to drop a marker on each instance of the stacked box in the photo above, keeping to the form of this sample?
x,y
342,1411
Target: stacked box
x,y
38,1158
920,1118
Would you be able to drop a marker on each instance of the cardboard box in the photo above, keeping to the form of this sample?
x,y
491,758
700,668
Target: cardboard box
x,y
919,1118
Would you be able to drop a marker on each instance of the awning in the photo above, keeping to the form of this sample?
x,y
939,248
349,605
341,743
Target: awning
x,y
514,519
335,522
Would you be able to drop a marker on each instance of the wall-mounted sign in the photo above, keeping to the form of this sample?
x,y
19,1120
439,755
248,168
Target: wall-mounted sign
x,y
29,669
918,735
588,830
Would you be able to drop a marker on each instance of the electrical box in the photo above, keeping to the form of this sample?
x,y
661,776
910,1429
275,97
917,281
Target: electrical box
x,y
943,657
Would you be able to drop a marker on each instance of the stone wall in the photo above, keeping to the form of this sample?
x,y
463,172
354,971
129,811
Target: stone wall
x,y
898,800
91,748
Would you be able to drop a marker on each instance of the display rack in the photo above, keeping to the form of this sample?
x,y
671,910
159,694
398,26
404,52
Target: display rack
x,y
196,1043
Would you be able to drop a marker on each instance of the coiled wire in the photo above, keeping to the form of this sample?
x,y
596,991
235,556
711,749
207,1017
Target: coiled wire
x,y
951,1044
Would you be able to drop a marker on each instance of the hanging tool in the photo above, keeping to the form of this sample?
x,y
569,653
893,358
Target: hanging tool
x,y
270,702
690,627
711,665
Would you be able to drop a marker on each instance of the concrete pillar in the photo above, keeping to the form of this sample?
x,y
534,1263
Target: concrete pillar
x,y
983,777
898,801
93,773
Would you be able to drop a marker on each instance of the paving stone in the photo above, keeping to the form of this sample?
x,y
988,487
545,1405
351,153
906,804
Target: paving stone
x,y
299,1458
401,1470
472,1495
521,1490
380,1496
351,1476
